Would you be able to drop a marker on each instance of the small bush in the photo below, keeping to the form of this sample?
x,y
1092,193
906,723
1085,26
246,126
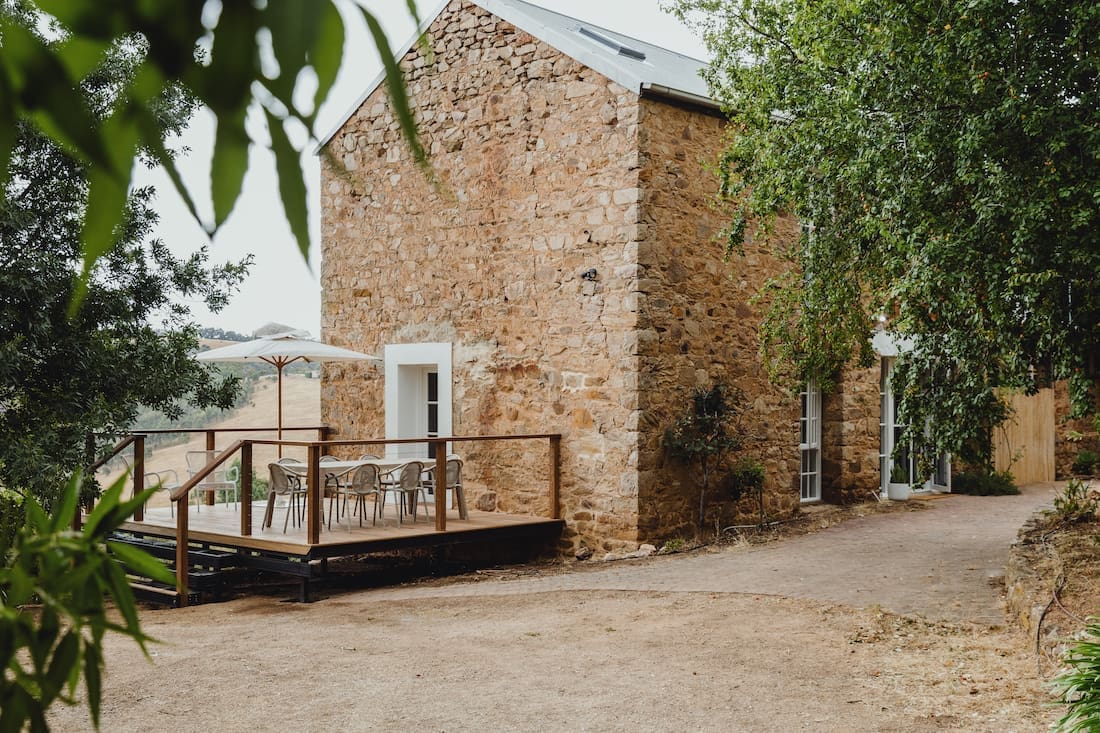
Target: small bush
x,y
1078,502
746,478
1085,462
984,483
1078,686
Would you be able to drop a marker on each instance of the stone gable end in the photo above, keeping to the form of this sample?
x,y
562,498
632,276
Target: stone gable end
x,y
568,254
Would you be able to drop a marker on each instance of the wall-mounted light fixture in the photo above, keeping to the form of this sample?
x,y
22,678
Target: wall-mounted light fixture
x,y
589,274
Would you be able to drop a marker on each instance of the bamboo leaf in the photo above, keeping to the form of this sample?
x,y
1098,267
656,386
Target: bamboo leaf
x,y
141,562
292,187
395,84
66,510
229,164
65,658
93,680
327,52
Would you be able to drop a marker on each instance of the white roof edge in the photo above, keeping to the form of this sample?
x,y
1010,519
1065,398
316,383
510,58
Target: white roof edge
x,y
660,90
561,41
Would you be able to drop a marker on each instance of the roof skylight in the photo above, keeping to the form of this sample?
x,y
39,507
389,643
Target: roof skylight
x,y
619,48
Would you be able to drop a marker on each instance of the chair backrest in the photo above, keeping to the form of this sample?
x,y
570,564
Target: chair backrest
x,y
454,472
365,479
410,475
282,481
328,459
285,461
199,459
369,457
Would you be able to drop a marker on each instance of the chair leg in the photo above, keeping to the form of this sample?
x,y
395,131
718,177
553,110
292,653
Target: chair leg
x,y
460,496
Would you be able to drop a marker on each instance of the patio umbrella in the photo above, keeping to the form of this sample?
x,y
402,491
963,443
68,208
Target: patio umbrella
x,y
279,350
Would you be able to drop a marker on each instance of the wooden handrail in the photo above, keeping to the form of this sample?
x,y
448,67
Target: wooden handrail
x,y
272,429
119,447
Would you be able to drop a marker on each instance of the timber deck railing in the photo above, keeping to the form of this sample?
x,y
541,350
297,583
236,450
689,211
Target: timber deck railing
x,y
314,510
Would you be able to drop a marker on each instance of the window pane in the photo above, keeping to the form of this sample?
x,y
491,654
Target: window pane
x,y
433,419
433,386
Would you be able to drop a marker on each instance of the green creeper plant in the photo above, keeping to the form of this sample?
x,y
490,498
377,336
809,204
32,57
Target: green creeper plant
x,y
55,589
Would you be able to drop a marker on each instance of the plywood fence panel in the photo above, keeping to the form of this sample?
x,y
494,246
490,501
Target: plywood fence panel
x,y
1024,445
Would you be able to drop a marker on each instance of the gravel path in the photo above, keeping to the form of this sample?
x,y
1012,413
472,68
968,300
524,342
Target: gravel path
x,y
944,564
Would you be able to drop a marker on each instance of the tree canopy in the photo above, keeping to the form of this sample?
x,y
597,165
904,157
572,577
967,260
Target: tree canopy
x,y
63,376
280,57
944,158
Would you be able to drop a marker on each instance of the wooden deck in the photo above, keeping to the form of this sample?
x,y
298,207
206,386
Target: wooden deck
x,y
220,526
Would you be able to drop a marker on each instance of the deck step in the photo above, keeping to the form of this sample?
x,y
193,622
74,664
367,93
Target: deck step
x,y
166,550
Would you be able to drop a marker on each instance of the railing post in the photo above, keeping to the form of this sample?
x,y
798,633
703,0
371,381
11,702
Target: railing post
x,y
139,474
246,489
440,485
182,560
314,496
210,436
555,477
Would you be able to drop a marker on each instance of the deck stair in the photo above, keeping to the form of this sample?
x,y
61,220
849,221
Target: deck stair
x,y
212,570
205,578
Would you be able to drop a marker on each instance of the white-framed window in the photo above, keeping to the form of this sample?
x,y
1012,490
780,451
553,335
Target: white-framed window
x,y
809,442
418,395
897,460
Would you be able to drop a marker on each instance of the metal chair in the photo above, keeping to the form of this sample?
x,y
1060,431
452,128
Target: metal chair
x,y
166,480
284,483
364,482
223,478
405,485
454,487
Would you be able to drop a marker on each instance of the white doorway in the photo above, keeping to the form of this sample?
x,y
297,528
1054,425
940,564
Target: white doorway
x,y
418,396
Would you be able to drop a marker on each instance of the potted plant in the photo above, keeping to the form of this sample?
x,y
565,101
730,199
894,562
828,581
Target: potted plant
x,y
898,487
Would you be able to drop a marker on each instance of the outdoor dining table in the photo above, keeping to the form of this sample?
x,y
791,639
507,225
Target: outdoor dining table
x,y
339,469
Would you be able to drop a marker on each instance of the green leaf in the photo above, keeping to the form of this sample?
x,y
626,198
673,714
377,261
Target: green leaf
x,y
293,26
229,164
292,187
70,497
395,84
107,504
93,681
66,656
106,203
327,53
142,562
51,96
225,85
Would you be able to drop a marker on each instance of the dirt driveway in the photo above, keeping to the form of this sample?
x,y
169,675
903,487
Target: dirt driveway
x,y
791,636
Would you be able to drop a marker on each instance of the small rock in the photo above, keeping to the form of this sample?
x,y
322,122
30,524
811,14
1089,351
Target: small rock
x,y
583,553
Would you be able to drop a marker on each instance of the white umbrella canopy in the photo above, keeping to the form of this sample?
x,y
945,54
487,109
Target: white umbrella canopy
x,y
280,350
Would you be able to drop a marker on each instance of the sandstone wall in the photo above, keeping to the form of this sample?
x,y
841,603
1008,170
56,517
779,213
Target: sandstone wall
x,y
695,323
537,162
850,437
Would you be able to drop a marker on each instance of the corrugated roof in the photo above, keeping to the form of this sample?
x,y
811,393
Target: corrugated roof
x,y
641,67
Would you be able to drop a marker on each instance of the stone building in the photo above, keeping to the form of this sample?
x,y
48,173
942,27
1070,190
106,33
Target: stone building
x,y
562,274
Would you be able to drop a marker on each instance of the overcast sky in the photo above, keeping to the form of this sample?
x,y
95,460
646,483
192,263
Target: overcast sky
x,y
281,287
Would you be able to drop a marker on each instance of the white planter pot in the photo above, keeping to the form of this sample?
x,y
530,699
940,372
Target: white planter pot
x,y
897,492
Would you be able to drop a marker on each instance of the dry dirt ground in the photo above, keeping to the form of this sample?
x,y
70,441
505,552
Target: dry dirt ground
x,y
555,654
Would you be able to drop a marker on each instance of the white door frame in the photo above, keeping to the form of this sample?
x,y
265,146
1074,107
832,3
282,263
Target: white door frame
x,y
406,394
809,443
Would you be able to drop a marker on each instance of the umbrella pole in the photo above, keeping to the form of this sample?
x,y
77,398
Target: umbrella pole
x,y
280,409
